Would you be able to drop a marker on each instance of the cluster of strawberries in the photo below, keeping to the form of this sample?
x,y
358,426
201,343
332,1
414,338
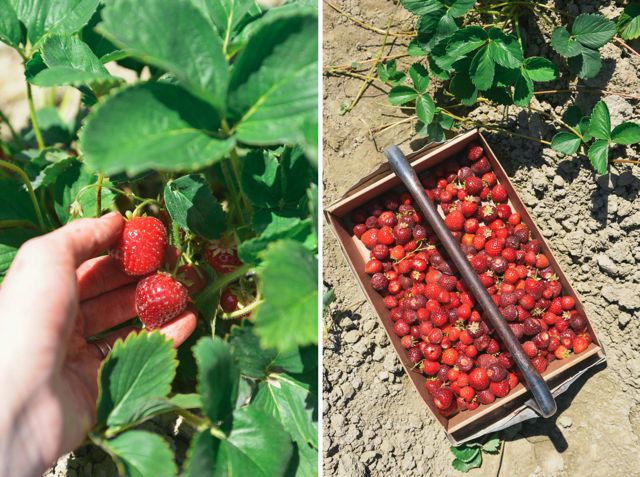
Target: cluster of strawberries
x,y
143,249
435,315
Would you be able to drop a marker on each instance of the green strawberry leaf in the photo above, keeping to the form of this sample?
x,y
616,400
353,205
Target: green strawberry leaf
x,y
459,7
505,49
138,368
465,467
626,133
463,88
193,207
565,142
598,155
523,91
218,376
629,22
482,69
273,86
540,69
16,202
402,94
592,30
158,37
10,30
573,115
465,41
465,453
419,76
141,453
600,125
286,262
425,108
492,446
45,17
424,7
253,359
387,72
564,44
257,446
151,125
226,15
10,241
586,65
74,198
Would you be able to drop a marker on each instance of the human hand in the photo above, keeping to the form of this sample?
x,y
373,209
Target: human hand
x,y
56,294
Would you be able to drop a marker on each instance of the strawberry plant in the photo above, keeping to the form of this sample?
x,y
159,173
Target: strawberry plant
x,y
211,152
464,55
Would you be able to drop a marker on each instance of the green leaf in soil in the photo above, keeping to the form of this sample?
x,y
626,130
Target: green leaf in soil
x,y
504,49
257,446
402,94
15,200
586,65
156,32
593,30
499,94
414,49
540,69
564,44
193,207
584,127
10,30
273,91
629,22
565,142
598,155
600,125
626,133
465,41
419,76
151,125
573,115
463,89
523,91
69,62
226,15
465,467
288,316
73,198
141,453
425,108
492,446
10,241
291,402
482,69
139,368
433,29
41,17
465,453
218,376
424,7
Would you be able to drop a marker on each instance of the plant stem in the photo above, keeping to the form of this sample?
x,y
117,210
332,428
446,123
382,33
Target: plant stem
x,y
362,62
27,182
13,132
625,45
34,120
99,195
588,90
196,421
10,224
247,309
625,161
369,76
353,75
235,167
368,26
144,203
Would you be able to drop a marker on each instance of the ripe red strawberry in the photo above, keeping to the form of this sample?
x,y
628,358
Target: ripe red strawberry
x,y
474,152
493,247
481,166
141,247
478,379
468,207
539,363
359,229
473,185
228,301
450,356
370,238
430,368
432,385
530,349
159,299
486,396
499,193
580,344
488,213
224,258
443,398
455,220
562,352
500,389
568,302
401,328
373,266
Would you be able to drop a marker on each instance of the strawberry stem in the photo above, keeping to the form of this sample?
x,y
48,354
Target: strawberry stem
x,y
27,183
34,120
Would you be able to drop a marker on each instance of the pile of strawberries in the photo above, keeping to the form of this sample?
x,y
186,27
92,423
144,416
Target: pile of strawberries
x,y
440,325
143,248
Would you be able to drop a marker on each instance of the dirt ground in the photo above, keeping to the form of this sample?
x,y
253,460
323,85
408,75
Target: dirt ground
x,y
374,423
